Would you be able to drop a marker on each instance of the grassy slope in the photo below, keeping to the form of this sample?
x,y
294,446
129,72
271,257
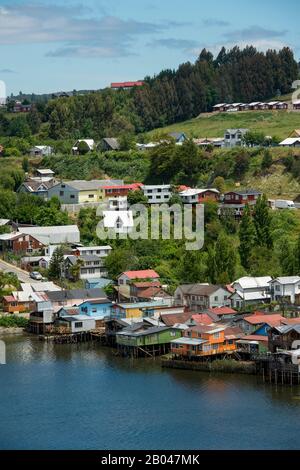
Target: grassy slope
x,y
274,123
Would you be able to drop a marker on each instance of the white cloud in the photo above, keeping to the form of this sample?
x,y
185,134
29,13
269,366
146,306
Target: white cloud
x,y
76,30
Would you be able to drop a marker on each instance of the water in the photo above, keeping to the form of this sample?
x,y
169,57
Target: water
x,y
83,397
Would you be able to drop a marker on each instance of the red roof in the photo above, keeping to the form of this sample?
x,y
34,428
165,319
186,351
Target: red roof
x,y
145,274
127,84
133,186
271,320
203,319
9,298
223,311
256,338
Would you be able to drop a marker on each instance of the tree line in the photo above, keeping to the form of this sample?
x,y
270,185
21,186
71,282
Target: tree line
x,y
235,75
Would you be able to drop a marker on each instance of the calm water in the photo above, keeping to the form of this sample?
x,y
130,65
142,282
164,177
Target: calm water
x,y
83,397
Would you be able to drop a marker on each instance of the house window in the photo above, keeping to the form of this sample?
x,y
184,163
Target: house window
x,y
78,324
72,196
217,336
216,299
61,193
173,333
277,288
91,196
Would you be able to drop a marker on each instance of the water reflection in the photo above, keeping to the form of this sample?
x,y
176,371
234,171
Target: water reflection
x,y
99,400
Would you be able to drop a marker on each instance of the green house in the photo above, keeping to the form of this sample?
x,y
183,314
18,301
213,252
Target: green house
x,y
147,337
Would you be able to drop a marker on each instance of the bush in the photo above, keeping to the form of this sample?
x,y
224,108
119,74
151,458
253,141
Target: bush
x,y
13,321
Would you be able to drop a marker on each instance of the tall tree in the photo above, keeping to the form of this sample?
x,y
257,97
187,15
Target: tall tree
x,y
247,237
262,223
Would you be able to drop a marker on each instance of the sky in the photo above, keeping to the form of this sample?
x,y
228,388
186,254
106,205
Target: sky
x,y
49,46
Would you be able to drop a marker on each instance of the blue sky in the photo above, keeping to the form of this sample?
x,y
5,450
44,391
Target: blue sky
x,y
48,46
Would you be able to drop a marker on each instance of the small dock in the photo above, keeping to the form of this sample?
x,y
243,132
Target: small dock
x,y
277,372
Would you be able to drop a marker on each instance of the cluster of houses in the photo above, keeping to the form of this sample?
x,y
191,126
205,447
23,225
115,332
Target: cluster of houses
x,y
255,106
142,318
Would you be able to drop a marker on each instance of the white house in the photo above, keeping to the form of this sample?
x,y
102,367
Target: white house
x,y
54,235
77,323
121,222
290,142
89,142
101,251
234,137
195,196
41,151
285,288
201,296
118,203
251,290
157,194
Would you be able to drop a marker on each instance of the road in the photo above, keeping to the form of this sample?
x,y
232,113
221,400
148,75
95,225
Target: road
x,y
23,276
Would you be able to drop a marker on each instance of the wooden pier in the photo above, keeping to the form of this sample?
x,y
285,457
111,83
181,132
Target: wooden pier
x,y
276,372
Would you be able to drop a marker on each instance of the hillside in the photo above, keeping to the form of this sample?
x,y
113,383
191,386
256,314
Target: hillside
x,y
273,123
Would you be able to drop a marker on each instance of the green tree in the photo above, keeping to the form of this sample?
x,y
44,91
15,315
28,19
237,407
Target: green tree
x,y
262,223
83,148
25,164
267,160
56,264
247,237
136,197
219,184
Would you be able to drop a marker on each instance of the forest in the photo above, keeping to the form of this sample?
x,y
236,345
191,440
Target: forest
x,y
236,75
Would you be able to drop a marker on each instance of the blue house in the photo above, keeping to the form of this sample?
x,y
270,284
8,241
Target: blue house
x,y
262,330
98,309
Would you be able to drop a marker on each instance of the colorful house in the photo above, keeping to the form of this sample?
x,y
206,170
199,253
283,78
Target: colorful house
x,y
136,310
141,340
203,341
98,308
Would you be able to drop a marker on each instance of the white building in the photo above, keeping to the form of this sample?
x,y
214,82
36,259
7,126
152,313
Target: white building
x,y
89,142
290,142
118,203
121,222
285,288
101,251
157,194
54,235
41,151
234,137
251,290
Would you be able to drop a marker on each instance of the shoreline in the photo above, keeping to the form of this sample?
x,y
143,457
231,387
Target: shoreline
x,y
11,331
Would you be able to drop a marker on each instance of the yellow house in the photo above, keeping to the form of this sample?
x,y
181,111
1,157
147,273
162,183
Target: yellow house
x,y
79,191
136,310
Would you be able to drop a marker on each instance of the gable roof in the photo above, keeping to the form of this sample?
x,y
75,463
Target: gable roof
x,y
54,234
253,282
286,280
112,142
223,311
171,319
143,274
200,289
271,320
76,294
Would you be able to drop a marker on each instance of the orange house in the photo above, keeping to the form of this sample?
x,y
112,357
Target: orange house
x,y
204,341
11,305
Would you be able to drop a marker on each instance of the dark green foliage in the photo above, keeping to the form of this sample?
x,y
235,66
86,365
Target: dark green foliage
x,y
247,238
262,223
56,264
236,75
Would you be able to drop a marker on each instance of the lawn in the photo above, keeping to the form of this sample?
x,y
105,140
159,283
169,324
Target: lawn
x,y
274,123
